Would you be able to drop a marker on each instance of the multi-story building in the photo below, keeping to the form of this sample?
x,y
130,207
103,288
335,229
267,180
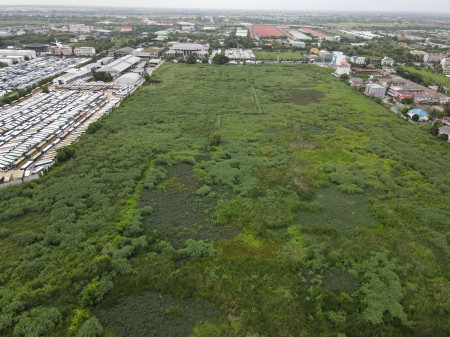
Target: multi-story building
x,y
84,51
325,55
375,90
31,54
337,57
400,93
432,57
445,62
358,59
64,50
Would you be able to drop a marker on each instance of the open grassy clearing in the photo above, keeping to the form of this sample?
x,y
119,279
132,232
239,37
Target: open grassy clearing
x,y
436,78
282,56
278,202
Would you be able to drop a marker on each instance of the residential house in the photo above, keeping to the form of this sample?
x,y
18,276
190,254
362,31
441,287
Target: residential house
x,y
446,120
423,115
343,68
387,61
126,29
356,82
444,130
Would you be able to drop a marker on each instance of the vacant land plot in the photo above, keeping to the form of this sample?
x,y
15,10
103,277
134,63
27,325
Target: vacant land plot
x,y
282,56
280,202
429,75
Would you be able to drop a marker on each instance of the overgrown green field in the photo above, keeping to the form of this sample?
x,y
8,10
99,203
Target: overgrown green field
x,y
283,56
269,200
436,78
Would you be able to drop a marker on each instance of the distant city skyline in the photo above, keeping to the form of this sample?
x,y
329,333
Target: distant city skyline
x,y
435,6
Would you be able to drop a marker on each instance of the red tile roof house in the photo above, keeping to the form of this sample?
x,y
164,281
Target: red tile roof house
x,y
446,120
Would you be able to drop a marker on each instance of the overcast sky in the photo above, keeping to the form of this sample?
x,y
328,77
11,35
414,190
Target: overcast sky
x,y
356,5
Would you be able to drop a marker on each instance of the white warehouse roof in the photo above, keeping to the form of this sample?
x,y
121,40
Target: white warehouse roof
x,y
128,79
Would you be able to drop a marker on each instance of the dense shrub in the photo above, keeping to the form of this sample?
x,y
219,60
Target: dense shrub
x,y
38,321
25,238
198,249
91,328
4,232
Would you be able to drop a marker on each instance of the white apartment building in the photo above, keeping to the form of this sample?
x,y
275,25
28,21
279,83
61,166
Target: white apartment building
x,y
84,51
358,59
432,57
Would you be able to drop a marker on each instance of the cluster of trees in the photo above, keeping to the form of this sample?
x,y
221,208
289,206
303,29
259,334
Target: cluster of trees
x,y
103,76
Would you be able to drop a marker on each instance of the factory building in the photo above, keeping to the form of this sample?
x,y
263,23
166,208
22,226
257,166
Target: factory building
x,y
123,52
84,51
184,49
71,77
129,79
146,52
10,60
241,32
4,53
81,29
39,48
121,66
106,60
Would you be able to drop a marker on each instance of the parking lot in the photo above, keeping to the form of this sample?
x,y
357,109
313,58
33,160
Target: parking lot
x,y
25,74
34,126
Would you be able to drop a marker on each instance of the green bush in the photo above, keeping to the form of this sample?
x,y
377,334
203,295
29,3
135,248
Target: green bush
x,y
216,139
188,160
146,210
4,232
203,191
91,328
164,159
40,321
25,238
198,249
154,177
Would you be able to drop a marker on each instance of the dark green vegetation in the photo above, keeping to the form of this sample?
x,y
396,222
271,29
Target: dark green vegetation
x,y
102,76
268,200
